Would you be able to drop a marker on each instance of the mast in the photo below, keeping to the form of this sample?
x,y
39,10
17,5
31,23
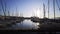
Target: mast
x,y
16,12
54,7
57,5
9,11
48,8
44,10
21,14
33,13
2,7
36,12
12,13
5,8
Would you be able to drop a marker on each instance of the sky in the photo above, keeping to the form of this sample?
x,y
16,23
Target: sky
x,y
30,8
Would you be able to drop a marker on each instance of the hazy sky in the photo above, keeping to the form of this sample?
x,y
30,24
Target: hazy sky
x,y
30,7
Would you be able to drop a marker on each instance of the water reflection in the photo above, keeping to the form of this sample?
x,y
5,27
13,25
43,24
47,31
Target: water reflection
x,y
26,24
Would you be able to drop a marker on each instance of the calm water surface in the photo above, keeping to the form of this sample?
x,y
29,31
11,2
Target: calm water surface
x,y
26,24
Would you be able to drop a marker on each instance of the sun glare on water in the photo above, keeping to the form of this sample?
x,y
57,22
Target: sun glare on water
x,y
37,23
